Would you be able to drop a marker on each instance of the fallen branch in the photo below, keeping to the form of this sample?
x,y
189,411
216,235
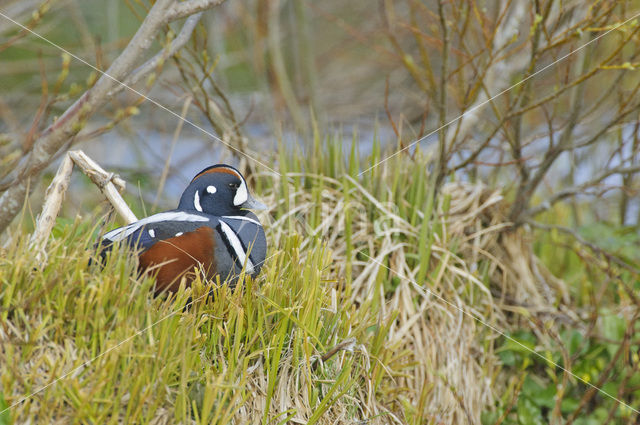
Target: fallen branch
x,y
108,183
51,208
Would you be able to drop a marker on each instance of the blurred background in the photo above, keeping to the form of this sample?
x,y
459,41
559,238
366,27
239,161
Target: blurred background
x,y
512,130
260,73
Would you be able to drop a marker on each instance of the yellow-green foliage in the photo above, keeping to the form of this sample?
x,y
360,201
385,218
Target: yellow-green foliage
x,y
362,313
247,354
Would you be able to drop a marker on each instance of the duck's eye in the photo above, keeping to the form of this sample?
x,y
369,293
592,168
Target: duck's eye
x,y
234,185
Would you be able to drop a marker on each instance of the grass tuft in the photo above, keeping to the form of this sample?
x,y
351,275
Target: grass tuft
x,y
325,334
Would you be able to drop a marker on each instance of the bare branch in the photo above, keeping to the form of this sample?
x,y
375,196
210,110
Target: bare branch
x,y
593,247
67,126
190,7
581,188
527,186
442,98
160,58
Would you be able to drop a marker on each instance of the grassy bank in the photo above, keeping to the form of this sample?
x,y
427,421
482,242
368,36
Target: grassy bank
x,y
363,312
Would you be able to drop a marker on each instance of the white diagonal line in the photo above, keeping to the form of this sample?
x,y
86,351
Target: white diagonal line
x,y
208,133
500,94
426,291
77,368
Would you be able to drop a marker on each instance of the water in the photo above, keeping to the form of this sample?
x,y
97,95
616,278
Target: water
x,y
145,151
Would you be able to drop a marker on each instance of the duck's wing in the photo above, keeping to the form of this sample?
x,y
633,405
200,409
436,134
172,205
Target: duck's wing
x,y
145,233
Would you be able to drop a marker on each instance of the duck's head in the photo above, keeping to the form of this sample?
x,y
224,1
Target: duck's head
x,y
218,190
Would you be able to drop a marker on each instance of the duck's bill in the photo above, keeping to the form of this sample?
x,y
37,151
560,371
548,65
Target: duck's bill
x,y
252,204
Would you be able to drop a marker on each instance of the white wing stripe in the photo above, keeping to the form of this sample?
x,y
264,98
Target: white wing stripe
x,y
124,232
237,246
241,217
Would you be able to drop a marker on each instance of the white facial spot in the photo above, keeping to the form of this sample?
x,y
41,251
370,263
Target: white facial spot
x,y
196,202
179,234
211,189
152,233
241,194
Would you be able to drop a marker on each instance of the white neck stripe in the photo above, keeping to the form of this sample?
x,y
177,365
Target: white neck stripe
x,y
237,246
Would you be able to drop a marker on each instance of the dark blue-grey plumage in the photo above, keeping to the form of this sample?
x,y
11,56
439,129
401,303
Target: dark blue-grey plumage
x,y
211,229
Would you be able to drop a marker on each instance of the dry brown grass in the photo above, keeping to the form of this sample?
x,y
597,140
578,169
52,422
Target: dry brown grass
x,y
362,313
441,365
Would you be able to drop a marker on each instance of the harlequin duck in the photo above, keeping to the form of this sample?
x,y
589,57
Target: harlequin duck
x,y
211,229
